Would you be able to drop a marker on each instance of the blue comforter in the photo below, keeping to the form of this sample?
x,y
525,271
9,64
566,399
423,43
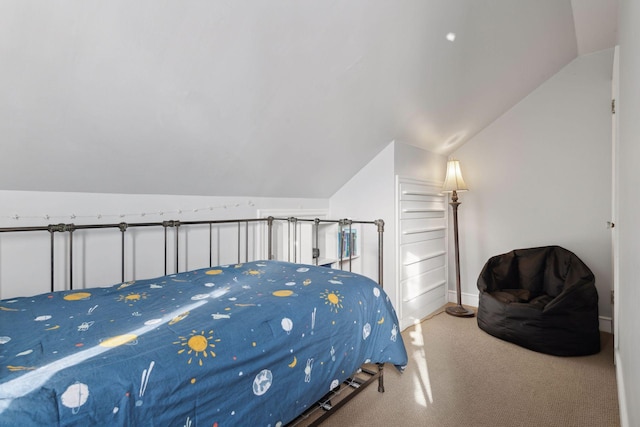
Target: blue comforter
x,y
249,344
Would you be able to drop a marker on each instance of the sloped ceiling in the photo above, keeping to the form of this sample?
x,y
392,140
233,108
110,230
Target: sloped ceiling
x,y
263,98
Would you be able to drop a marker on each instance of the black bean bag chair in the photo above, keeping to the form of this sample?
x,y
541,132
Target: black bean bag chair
x,y
543,299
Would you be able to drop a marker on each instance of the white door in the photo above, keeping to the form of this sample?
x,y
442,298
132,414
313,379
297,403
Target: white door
x,y
614,193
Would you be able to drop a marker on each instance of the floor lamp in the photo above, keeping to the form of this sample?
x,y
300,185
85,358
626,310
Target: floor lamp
x,y
452,184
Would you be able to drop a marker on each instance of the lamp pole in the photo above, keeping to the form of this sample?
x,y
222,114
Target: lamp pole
x,y
457,310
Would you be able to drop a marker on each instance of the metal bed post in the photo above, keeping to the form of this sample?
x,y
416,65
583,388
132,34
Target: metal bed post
x,y
348,222
123,228
380,224
52,228
316,248
176,224
341,242
165,224
51,232
295,239
288,239
70,228
238,242
246,241
270,237
210,245
294,221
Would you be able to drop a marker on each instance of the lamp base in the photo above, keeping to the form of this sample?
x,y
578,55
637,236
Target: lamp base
x,y
459,311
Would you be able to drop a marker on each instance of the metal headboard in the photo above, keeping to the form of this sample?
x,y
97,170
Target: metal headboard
x,y
269,221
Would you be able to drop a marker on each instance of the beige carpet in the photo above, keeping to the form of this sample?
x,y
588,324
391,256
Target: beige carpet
x,y
460,376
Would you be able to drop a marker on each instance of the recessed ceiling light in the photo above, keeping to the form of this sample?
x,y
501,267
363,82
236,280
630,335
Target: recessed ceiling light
x,y
451,36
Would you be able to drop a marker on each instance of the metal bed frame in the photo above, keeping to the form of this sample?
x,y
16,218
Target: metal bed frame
x,y
330,402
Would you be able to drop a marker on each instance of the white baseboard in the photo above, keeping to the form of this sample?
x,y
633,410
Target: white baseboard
x,y
474,299
605,324
467,299
622,401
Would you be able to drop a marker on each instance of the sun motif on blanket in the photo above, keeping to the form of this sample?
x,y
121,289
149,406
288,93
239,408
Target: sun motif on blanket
x,y
198,346
332,299
132,297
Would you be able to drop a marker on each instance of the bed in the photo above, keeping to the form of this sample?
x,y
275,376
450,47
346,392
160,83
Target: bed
x,y
248,343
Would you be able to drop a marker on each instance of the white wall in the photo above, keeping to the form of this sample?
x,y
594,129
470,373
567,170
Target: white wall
x,y
541,175
416,163
26,259
370,194
628,339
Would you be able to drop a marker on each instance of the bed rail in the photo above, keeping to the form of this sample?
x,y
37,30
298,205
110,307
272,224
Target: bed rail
x,y
292,241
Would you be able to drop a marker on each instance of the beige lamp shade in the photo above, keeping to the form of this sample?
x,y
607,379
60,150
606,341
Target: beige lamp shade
x,y
454,181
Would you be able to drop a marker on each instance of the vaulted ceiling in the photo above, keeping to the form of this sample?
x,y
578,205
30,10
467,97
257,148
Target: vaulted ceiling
x,y
254,98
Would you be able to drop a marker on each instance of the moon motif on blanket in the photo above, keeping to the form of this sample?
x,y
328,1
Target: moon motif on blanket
x,y
293,363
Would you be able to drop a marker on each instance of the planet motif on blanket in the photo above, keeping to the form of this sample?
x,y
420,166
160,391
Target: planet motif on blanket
x,y
287,325
213,272
77,296
366,331
283,293
262,382
376,292
75,396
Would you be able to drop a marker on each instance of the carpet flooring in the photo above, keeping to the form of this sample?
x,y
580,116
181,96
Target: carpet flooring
x,y
458,375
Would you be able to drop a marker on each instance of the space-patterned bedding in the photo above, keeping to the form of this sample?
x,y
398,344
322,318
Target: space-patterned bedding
x,y
247,344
